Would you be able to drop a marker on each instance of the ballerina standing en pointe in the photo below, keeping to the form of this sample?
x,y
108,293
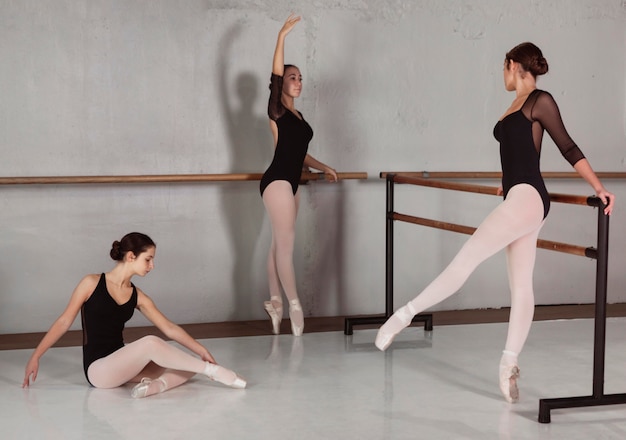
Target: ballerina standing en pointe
x,y
515,224
279,184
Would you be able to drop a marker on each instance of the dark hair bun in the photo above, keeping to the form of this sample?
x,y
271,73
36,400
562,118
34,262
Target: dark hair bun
x,y
115,251
530,57
539,66
134,242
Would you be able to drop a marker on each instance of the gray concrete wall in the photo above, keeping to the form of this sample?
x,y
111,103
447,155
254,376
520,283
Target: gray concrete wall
x,y
98,87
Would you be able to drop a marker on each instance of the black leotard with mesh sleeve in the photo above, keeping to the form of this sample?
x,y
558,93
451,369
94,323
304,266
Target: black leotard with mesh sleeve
x,y
520,134
103,323
294,135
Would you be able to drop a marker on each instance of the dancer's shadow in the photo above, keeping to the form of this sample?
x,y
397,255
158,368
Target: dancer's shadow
x,y
328,200
250,150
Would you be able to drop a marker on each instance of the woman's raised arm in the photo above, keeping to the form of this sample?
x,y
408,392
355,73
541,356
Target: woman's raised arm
x,y
278,66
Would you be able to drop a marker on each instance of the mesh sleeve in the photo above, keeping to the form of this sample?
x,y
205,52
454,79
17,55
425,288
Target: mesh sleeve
x,y
275,108
546,111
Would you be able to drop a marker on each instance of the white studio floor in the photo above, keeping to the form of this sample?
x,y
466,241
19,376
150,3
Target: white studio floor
x,y
436,385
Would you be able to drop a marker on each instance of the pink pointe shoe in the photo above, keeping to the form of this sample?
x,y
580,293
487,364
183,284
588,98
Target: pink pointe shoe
x,y
394,325
275,313
224,376
296,318
141,389
508,382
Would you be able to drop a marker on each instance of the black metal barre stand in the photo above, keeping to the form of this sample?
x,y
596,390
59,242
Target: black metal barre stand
x,y
426,318
599,344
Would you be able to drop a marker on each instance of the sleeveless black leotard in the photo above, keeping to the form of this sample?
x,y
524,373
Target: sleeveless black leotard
x,y
520,134
103,323
294,135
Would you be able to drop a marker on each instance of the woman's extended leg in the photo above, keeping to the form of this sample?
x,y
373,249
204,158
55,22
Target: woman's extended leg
x,y
520,214
128,362
282,207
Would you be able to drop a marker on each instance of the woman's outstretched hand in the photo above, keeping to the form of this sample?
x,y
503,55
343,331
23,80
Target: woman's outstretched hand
x,y
289,24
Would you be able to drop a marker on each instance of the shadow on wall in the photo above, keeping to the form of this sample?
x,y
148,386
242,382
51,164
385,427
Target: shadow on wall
x,y
249,148
327,269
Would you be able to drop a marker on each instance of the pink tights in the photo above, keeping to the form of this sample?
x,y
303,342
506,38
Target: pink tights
x,y
282,207
152,357
513,225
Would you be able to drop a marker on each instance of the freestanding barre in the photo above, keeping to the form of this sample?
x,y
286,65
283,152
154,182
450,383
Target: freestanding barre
x,y
598,397
391,216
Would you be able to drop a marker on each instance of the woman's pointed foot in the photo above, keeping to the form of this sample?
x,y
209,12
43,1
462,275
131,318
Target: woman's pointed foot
x,y
224,376
508,383
296,317
275,313
148,387
394,325
509,373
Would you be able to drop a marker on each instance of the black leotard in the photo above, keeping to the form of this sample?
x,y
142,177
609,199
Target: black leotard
x,y
294,135
103,323
520,134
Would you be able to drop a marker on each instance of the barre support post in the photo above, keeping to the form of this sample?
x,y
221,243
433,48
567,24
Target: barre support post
x,y
598,398
426,318
389,246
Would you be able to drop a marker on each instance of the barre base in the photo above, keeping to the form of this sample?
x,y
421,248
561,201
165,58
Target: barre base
x,y
546,405
426,318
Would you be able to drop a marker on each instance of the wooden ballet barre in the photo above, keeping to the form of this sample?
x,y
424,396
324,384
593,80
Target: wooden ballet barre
x,y
354,175
442,184
468,230
161,178
497,174
153,178
482,189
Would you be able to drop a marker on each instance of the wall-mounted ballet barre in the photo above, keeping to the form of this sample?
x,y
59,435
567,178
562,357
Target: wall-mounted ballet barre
x,y
600,255
162,178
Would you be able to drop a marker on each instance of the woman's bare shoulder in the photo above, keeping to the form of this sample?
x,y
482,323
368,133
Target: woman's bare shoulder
x,y
89,282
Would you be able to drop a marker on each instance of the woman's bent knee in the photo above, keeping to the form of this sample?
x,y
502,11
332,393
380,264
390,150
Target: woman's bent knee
x,y
150,341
